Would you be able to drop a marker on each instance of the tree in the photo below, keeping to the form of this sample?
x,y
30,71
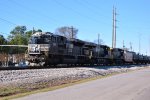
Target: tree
x,y
18,30
68,32
39,30
18,36
28,34
2,40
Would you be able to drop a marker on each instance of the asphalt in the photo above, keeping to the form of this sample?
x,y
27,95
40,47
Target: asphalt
x,y
127,86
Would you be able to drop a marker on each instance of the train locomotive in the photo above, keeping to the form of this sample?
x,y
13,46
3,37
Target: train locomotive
x,y
48,49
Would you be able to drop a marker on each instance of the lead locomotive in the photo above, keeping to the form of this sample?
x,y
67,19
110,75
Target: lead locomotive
x,y
46,48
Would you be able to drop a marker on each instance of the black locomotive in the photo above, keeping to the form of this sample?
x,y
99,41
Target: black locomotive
x,y
46,48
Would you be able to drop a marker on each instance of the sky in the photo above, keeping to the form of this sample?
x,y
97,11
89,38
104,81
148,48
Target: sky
x,y
90,17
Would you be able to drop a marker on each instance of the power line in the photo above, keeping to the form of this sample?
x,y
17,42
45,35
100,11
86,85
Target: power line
x,y
4,33
88,6
78,13
4,20
11,13
35,11
92,5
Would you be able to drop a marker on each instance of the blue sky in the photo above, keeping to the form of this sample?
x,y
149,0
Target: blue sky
x,y
90,17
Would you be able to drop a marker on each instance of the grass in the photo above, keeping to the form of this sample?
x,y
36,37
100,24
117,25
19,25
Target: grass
x,y
6,91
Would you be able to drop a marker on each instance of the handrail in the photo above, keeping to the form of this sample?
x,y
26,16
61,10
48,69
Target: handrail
x,y
14,46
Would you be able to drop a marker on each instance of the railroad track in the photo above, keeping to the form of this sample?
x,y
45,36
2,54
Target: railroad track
x,y
62,66
21,68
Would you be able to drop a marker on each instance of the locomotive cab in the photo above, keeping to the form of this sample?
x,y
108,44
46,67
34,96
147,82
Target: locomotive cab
x,y
38,47
39,42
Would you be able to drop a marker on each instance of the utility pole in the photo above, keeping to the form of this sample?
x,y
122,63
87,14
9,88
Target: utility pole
x,y
72,32
123,45
130,46
149,46
114,28
139,43
71,35
98,39
98,44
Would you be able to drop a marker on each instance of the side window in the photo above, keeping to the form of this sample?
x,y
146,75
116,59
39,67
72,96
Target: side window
x,y
58,39
34,40
47,40
69,47
54,39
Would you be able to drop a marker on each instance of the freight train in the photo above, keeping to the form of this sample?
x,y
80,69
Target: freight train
x,y
46,49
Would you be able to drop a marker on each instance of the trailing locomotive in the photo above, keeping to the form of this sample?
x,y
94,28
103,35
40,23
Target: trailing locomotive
x,y
46,48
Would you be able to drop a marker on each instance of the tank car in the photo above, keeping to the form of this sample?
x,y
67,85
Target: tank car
x,y
145,59
121,56
128,57
135,58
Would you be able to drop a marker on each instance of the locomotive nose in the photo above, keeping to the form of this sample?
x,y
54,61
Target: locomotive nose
x,y
34,48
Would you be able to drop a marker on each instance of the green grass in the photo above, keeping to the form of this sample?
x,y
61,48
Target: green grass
x,y
6,91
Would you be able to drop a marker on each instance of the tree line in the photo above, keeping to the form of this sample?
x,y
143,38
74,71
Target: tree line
x,y
20,36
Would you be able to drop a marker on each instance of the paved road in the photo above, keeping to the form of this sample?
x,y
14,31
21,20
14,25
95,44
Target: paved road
x,y
128,86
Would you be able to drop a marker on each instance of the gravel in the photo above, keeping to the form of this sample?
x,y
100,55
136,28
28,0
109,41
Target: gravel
x,y
31,77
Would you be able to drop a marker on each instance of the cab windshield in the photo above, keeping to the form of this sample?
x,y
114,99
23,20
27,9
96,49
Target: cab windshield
x,y
39,40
